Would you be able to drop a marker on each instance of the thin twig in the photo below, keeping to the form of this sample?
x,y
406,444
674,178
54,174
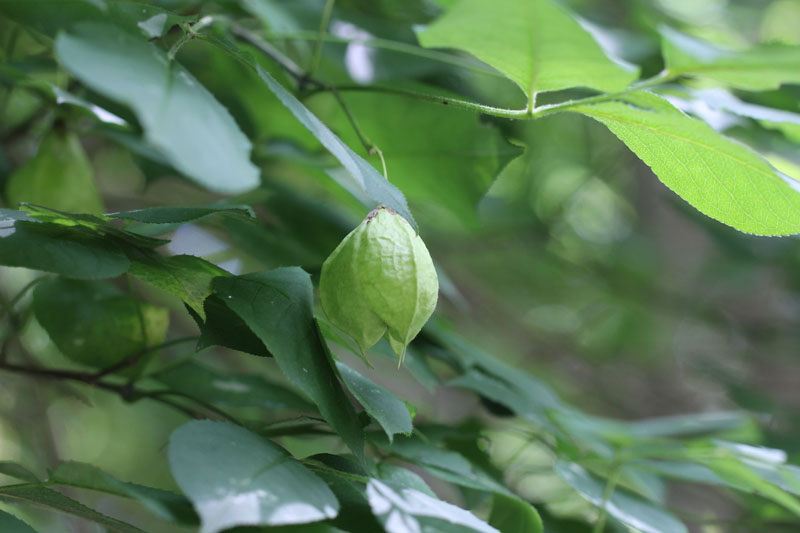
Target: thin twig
x,y
133,359
393,46
183,39
266,48
17,297
50,373
159,395
127,391
611,484
323,26
368,145
305,79
525,114
189,33
433,98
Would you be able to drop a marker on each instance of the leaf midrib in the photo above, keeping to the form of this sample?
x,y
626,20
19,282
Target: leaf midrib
x,y
693,142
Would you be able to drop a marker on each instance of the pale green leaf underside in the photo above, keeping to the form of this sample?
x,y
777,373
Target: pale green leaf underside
x,y
535,43
630,510
179,116
758,68
234,477
718,176
406,509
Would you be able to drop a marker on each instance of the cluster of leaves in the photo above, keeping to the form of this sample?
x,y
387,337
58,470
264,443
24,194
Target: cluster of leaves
x,y
137,76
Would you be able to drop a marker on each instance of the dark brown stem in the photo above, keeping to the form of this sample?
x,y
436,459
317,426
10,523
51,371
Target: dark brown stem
x,y
126,391
132,360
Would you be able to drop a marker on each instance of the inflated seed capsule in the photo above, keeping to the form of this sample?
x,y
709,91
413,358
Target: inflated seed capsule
x,y
379,281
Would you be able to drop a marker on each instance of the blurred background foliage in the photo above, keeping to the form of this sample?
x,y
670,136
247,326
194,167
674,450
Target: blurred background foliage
x,y
559,252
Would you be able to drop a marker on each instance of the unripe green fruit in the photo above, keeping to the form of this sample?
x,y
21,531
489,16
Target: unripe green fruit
x,y
379,281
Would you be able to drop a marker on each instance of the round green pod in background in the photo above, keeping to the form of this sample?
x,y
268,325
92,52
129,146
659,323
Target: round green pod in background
x,y
59,176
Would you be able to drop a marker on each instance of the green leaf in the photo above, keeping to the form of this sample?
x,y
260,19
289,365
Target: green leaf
x,y
755,69
69,251
720,177
99,225
48,16
16,470
223,327
348,480
10,216
687,425
180,117
181,214
541,46
58,176
186,276
753,469
361,179
740,475
94,323
718,99
405,510
319,527
685,470
277,306
449,162
512,515
630,510
235,477
445,464
230,390
50,499
11,524
165,504
403,478
63,97
388,410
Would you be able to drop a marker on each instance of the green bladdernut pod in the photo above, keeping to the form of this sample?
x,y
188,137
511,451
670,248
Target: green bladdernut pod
x,y
379,281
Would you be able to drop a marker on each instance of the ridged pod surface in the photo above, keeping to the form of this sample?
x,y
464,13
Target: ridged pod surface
x,y
379,281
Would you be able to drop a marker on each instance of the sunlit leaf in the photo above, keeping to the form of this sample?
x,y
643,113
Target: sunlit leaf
x,y
759,68
235,477
718,176
541,46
